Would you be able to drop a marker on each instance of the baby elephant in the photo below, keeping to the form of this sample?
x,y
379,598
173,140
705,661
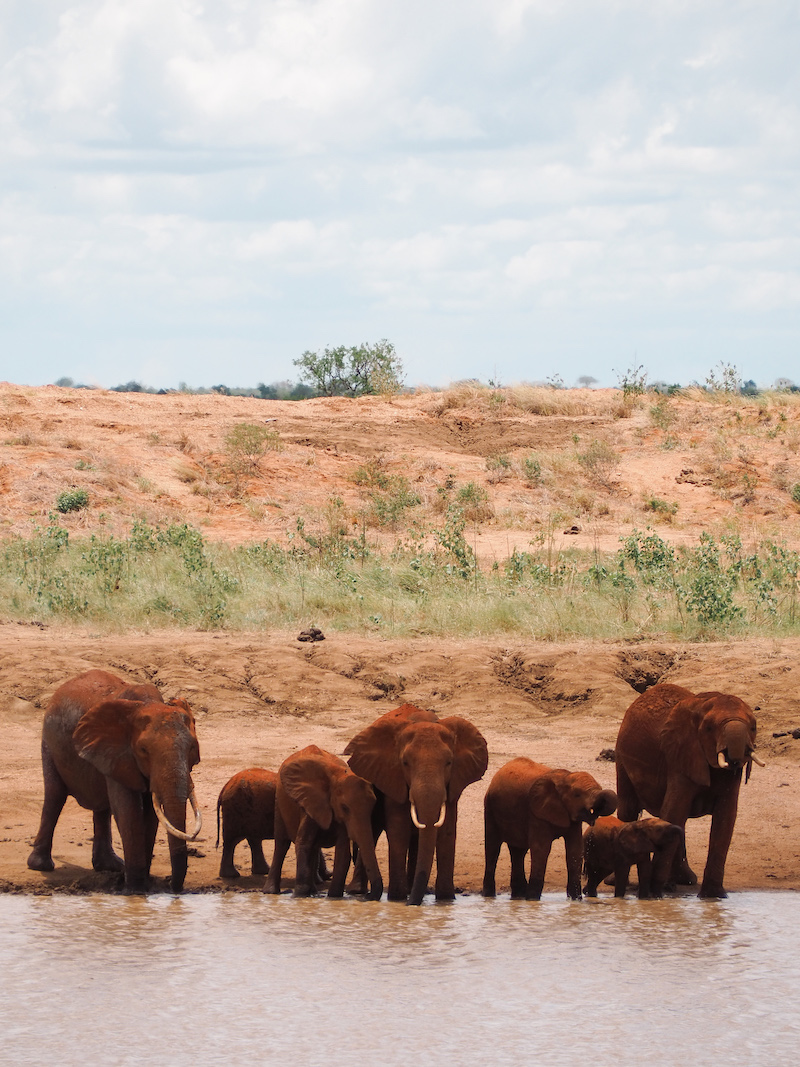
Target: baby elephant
x,y
247,807
528,806
320,802
611,846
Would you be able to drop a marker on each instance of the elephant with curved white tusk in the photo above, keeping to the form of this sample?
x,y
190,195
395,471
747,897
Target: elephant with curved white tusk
x,y
680,755
119,749
421,765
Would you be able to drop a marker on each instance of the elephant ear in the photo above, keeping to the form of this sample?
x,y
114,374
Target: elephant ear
x,y
680,739
307,782
373,755
470,755
545,801
104,737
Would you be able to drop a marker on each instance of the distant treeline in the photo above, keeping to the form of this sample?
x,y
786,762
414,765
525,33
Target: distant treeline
x,y
285,390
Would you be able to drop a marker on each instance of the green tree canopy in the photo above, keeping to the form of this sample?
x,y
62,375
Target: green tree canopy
x,y
355,371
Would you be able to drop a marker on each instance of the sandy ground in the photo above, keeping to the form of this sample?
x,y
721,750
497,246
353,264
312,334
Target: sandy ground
x,y
259,697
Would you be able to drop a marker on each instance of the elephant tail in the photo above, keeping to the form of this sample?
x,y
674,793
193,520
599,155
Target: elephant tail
x,y
219,805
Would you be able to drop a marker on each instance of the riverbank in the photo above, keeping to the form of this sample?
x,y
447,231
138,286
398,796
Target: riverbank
x,y
259,697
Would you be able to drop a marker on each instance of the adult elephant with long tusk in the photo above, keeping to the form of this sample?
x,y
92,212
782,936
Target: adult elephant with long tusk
x,y
119,749
680,755
421,764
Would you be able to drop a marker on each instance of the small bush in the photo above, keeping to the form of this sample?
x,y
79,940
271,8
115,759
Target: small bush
x,y
499,467
474,502
246,443
599,461
532,471
72,500
795,493
664,509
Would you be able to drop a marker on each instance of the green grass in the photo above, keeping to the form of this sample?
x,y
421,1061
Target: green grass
x,y
428,585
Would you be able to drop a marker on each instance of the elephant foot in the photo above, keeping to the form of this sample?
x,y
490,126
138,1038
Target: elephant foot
x,y
108,862
712,892
302,891
41,861
229,872
259,869
685,875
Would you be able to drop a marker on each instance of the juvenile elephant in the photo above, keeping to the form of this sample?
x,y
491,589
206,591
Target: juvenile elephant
x,y
246,805
320,802
421,764
611,846
528,806
680,756
119,749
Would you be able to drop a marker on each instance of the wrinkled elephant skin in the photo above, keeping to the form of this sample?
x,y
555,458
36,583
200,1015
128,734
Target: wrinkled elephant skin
x,y
246,809
680,756
119,749
319,803
528,806
421,765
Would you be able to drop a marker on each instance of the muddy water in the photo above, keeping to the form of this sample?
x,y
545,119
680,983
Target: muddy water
x,y
245,978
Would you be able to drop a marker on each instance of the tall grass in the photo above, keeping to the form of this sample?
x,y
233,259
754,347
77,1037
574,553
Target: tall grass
x,y
430,584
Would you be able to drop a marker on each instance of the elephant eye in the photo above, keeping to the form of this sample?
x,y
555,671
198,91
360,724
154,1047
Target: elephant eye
x,y
345,809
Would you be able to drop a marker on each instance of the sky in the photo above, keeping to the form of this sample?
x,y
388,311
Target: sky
x,y
508,190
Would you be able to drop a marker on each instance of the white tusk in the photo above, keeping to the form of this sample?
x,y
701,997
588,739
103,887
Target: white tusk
x,y
755,759
441,815
721,761
419,825
162,818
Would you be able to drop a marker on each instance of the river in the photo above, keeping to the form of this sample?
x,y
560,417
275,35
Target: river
x,y
235,978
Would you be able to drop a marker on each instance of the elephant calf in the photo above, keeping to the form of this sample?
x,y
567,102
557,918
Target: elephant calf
x,y
611,846
246,808
320,802
528,806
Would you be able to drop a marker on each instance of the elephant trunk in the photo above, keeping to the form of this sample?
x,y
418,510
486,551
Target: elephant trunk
x,y
169,803
605,803
425,852
734,746
366,851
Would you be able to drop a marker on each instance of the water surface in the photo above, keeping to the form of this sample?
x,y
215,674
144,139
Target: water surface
x,y
247,978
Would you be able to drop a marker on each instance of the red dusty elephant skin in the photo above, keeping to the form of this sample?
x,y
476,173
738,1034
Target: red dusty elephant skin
x,y
680,755
246,808
421,764
612,846
320,802
119,749
528,806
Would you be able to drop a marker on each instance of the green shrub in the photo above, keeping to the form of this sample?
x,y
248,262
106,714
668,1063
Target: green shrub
x,y
532,470
72,500
599,461
247,443
794,493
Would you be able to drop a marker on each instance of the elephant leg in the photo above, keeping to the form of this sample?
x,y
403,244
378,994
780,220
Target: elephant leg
x,y
358,883
258,861
55,797
398,834
593,879
540,853
492,843
341,863
446,855
573,849
282,842
126,804
645,871
664,852
723,820
628,804
226,866
676,808
519,883
104,858
306,848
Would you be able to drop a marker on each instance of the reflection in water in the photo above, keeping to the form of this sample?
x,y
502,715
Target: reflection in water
x,y
203,979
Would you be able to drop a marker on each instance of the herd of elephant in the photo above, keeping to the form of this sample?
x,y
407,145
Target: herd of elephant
x,y
120,750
